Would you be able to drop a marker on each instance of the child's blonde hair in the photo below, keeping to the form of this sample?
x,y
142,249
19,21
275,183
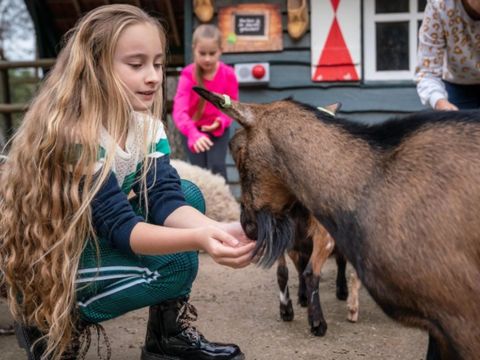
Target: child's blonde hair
x,y
204,31
49,177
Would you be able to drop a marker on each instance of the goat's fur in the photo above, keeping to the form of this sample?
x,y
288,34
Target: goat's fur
x,y
401,199
220,204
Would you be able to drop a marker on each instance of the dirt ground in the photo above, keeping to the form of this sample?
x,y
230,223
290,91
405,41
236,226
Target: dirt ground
x,y
242,306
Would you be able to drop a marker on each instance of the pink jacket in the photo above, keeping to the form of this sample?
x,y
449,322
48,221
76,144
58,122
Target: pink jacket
x,y
186,100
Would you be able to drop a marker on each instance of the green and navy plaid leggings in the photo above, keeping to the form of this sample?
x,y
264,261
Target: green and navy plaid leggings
x,y
113,283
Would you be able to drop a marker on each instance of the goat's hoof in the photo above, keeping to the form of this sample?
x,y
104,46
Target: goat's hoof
x,y
342,293
319,330
302,300
352,315
286,311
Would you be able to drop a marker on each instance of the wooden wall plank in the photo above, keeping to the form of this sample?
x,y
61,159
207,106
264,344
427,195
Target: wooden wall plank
x,y
354,99
297,56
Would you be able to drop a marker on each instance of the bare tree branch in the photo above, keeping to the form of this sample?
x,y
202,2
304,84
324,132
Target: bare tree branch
x,y
16,29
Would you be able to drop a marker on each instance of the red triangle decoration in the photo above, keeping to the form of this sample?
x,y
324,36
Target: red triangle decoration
x,y
335,62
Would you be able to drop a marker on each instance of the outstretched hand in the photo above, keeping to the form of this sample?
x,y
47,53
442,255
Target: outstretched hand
x,y
445,105
202,144
226,249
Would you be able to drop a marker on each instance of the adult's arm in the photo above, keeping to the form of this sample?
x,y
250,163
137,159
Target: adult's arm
x,y
430,57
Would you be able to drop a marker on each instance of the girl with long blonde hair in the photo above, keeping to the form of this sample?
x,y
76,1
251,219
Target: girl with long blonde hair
x,y
75,250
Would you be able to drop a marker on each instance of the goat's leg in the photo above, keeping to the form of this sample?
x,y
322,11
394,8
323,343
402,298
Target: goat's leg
x,y
441,348
433,352
342,288
318,325
286,307
322,248
352,301
301,259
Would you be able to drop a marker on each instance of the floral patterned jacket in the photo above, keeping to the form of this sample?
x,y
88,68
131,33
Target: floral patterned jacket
x,y
448,49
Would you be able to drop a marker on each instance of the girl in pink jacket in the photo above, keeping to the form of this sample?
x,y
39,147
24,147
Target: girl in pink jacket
x,y
206,129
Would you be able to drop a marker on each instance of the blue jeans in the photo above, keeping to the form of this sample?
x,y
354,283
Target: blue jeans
x,y
463,96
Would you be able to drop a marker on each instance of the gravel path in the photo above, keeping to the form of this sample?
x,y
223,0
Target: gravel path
x,y
242,306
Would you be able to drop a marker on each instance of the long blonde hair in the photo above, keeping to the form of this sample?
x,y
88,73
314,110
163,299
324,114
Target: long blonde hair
x,y
204,31
49,184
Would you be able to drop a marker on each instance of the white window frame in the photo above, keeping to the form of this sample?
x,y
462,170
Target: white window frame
x,y
370,39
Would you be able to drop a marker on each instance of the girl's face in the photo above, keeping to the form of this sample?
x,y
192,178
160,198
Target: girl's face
x,y
138,62
207,53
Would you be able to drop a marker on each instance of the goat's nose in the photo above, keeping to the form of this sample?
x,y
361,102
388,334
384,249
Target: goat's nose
x,y
251,230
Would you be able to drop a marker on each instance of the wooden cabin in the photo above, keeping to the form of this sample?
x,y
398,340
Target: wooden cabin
x,y
359,52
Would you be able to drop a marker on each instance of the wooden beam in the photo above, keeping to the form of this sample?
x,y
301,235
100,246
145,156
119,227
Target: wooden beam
x,y
173,24
7,98
12,108
188,30
40,63
77,7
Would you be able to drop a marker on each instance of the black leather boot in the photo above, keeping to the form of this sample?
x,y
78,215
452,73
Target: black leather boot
x,y
27,336
170,336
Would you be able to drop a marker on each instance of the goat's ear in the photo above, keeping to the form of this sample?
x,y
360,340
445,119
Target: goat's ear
x,y
236,110
334,108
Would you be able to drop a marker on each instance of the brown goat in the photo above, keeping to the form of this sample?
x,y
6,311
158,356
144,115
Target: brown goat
x,y
310,250
401,199
311,247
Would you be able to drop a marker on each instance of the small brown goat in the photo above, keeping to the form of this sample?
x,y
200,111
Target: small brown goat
x,y
310,250
401,199
311,247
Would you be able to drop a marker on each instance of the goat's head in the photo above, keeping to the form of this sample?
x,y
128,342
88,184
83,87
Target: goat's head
x,y
266,201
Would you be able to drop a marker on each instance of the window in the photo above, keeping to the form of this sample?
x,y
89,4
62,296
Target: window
x,y
390,38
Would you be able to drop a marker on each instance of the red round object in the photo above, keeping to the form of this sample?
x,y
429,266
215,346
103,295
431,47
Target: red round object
x,y
258,71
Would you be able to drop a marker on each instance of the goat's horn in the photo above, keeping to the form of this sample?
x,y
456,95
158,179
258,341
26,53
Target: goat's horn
x,y
238,111
215,99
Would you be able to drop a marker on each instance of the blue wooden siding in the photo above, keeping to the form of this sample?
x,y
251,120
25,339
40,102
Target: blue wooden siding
x,y
290,75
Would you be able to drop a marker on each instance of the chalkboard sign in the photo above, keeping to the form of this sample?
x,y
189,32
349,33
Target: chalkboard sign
x,y
250,25
250,28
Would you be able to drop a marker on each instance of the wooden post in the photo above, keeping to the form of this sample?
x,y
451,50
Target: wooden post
x,y
7,99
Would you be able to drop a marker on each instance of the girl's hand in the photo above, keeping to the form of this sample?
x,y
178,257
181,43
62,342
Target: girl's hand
x,y
213,127
236,230
445,105
224,248
203,144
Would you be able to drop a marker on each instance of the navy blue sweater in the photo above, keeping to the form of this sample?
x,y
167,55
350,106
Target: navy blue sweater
x,y
113,216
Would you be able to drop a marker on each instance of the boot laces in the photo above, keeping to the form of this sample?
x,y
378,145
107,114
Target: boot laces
x,y
85,339
186,315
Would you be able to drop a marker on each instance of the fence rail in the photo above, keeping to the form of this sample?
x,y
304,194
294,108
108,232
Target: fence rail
x,y
39,63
